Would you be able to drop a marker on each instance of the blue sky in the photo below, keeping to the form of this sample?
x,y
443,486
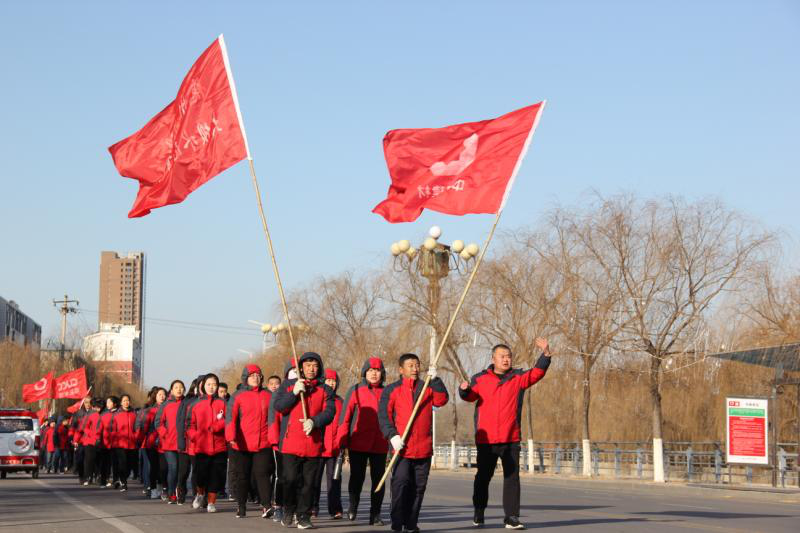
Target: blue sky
x,y
694,98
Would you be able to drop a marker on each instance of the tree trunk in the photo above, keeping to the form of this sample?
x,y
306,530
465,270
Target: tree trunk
x,y
655,396
587,398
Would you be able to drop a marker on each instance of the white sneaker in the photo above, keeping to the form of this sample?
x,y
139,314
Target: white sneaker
x,y
85,483
212,508
198,502
109,484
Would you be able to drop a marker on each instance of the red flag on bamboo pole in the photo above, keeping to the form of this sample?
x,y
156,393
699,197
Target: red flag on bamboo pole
x,y
197,136
459,169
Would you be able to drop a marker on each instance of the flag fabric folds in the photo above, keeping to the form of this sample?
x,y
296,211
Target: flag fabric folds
x,y
71,385
459,169
197,136
41,390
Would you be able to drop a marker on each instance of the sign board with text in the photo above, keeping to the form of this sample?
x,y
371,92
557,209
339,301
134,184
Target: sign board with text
x,y
746,427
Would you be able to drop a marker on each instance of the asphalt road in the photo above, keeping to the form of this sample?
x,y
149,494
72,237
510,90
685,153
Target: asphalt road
x,y
58,504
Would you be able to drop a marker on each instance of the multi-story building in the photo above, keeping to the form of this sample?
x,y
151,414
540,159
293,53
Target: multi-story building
x,y
17,327
120,337
116,349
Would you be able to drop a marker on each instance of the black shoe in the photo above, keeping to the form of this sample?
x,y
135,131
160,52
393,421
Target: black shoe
x,y
375,520
288,519
351,515
304,523
241,512
415,530
477,518
512,522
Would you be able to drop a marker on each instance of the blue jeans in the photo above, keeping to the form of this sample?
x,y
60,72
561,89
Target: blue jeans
x,y
144,469
172,472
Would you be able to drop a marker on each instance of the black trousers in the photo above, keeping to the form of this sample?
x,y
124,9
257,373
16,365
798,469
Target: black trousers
x,y
358,471
126,460
210,471
334,486
184,466
261,465
508,453
163,471
297,470
277,481
104,460
90,465
155,467
78,461
409,481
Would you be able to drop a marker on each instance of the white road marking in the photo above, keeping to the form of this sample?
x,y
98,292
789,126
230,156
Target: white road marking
x,y
86,508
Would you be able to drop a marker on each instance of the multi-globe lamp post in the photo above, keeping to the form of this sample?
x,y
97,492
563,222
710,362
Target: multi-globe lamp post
x,y
280,332
434,261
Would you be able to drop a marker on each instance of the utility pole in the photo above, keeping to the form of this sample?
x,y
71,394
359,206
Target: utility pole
x,y
65,309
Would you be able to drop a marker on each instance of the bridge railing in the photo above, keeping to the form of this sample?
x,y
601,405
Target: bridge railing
x,y
693,462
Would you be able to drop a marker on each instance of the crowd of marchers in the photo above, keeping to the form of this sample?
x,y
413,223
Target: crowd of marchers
x,y
270,442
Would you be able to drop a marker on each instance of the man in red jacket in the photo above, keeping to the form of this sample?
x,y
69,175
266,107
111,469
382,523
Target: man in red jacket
x,y
302,438
410,474
360,432
498,391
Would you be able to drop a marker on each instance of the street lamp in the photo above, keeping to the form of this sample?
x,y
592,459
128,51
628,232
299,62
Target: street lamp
x,y
279,331
434,261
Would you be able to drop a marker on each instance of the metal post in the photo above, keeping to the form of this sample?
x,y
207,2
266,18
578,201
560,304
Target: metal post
x,y
596,460
577,459
718,465
617,461
782,466
748,472
639,463
541,460
689,457
558,459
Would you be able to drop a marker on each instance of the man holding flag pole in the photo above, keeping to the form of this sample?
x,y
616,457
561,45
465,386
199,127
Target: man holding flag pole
x,y
459,169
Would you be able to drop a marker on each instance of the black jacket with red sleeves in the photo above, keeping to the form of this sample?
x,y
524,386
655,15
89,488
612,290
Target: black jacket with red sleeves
x,y
394,410
499,401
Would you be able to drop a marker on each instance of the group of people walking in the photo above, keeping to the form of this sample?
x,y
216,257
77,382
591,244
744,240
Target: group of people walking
x,y
273,440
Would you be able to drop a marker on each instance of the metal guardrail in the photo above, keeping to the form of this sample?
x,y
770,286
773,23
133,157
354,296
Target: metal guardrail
x,y
693,462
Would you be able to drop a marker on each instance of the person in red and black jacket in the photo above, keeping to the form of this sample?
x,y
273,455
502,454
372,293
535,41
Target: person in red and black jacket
x,y
410,473
49,444
302,439
167,429
246,431
91,435
206,434
76,428
64,445
360,433
148,437
330,455
498,392
274,422
108,463
123,438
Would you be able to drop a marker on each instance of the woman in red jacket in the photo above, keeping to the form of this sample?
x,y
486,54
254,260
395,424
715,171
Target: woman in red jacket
x,y
167,429
330,455
206,434
149,443
360,432
108,464
123,439
247,433
90,440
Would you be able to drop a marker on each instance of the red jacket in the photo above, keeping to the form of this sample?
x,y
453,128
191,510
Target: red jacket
x,y
246,418
62,434
499,401
91,429
104,429
358,422
321,408
122,430
330,442
206,431
49,439
167,425
397,402
146,427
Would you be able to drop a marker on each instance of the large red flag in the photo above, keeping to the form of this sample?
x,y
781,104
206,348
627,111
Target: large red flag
x,y
71,385
197,136
460,169
41,390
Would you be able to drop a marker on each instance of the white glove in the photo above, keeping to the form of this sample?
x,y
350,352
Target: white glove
x,y
308,425
397,443
432,371
299,387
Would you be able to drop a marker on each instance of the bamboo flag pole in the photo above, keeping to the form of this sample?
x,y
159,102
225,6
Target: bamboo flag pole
x,y
263,217
442,344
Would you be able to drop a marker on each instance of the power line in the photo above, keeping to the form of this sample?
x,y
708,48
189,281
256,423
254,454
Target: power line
x,y
200,326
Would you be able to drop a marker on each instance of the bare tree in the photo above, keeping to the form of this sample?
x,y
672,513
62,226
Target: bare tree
x,y
674,259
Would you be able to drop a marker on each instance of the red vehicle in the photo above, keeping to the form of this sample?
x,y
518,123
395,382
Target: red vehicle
x,y
19,442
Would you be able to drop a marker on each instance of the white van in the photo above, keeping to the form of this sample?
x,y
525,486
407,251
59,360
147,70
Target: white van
x,y
19,442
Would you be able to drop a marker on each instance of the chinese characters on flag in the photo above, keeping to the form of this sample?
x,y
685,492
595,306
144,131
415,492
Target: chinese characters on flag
x,y
71,385
460,169
194,138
